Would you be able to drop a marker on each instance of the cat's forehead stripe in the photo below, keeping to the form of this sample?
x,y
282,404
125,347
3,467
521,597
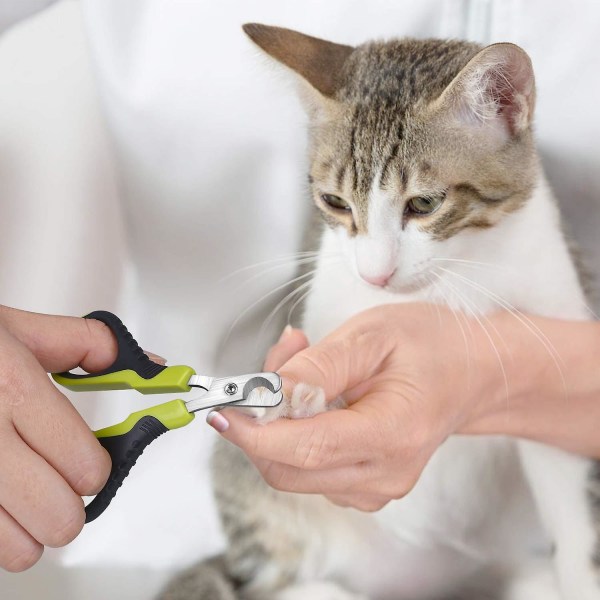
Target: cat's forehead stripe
x,y
352,150
375,142
385,171
340,175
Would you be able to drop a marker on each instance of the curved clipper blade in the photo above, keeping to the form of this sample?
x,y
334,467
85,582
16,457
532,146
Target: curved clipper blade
x,y
260,392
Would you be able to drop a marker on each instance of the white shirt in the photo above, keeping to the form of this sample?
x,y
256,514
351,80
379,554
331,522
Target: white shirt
x,y
147,150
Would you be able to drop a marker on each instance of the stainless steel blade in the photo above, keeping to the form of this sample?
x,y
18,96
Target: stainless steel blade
x,y
255,389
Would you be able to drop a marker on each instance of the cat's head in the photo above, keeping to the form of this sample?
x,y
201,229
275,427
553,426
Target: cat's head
x,y
414,144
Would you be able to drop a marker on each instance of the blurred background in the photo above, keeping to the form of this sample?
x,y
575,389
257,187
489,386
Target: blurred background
x,y
148,152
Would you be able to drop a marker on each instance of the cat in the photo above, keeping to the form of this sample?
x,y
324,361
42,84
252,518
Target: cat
x,y
422,158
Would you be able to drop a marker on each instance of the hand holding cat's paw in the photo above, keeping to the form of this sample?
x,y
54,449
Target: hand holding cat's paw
x,y
380,362
406,392
305,401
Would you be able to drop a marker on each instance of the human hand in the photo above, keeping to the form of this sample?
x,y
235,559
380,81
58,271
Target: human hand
x,y
50,458
405,372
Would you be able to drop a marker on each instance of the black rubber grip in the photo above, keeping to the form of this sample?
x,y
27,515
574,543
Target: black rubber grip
x,y
129,354
124,451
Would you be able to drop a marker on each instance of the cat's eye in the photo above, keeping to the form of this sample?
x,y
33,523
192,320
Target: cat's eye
x,y
424,205
335,202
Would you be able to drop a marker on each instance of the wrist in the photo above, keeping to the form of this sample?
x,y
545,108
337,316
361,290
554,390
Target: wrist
x,y
548,372
510,366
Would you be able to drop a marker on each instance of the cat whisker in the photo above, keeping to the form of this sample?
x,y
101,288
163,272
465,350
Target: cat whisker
x,y
438,286
286,258
522,318
286,299
591,311
483,314
471,306
464,298
295,263
297,303
262,298
472,263
431,303
280,305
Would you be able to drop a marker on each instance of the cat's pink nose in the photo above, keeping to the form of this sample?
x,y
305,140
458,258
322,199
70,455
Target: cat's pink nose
x,y
378,280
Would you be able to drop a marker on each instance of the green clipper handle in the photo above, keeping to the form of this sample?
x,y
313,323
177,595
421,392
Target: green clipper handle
x,y
132,369
126,441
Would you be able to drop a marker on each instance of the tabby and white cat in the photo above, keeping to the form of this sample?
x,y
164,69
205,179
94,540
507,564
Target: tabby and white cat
x,y
422,158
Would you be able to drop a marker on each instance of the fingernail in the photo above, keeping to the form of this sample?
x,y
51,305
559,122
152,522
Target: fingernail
x,y
286,332
217,421
156,358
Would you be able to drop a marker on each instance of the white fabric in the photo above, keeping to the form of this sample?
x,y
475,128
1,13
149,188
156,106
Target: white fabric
x,y
13,11
147,150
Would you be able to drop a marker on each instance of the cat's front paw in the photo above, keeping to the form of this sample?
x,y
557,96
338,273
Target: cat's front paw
x,y
305,401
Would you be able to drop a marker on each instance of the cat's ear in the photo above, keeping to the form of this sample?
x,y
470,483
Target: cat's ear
x,y
496,89
318,62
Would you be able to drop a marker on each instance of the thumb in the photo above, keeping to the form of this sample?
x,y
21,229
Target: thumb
x,y
340,362
62,343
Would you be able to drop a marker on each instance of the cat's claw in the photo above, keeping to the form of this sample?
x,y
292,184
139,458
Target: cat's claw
x,y
305,401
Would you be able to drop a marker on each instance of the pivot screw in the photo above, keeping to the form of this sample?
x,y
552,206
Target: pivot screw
x,y
231,389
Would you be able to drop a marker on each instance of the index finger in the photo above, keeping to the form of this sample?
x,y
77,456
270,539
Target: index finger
x,y
61,343
291,342
324,441
46,421
350,356
50,425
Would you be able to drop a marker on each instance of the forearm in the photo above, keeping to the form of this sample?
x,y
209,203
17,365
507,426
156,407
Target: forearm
x,y
550,389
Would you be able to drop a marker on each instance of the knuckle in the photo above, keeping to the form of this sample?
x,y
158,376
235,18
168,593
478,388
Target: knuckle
x,y
410,483
405,484
91,473
66,529
24,559
96,329
396,490
13,385
318,362
370,504
12,375
99,338
404,448
274,478
420,438
339,500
